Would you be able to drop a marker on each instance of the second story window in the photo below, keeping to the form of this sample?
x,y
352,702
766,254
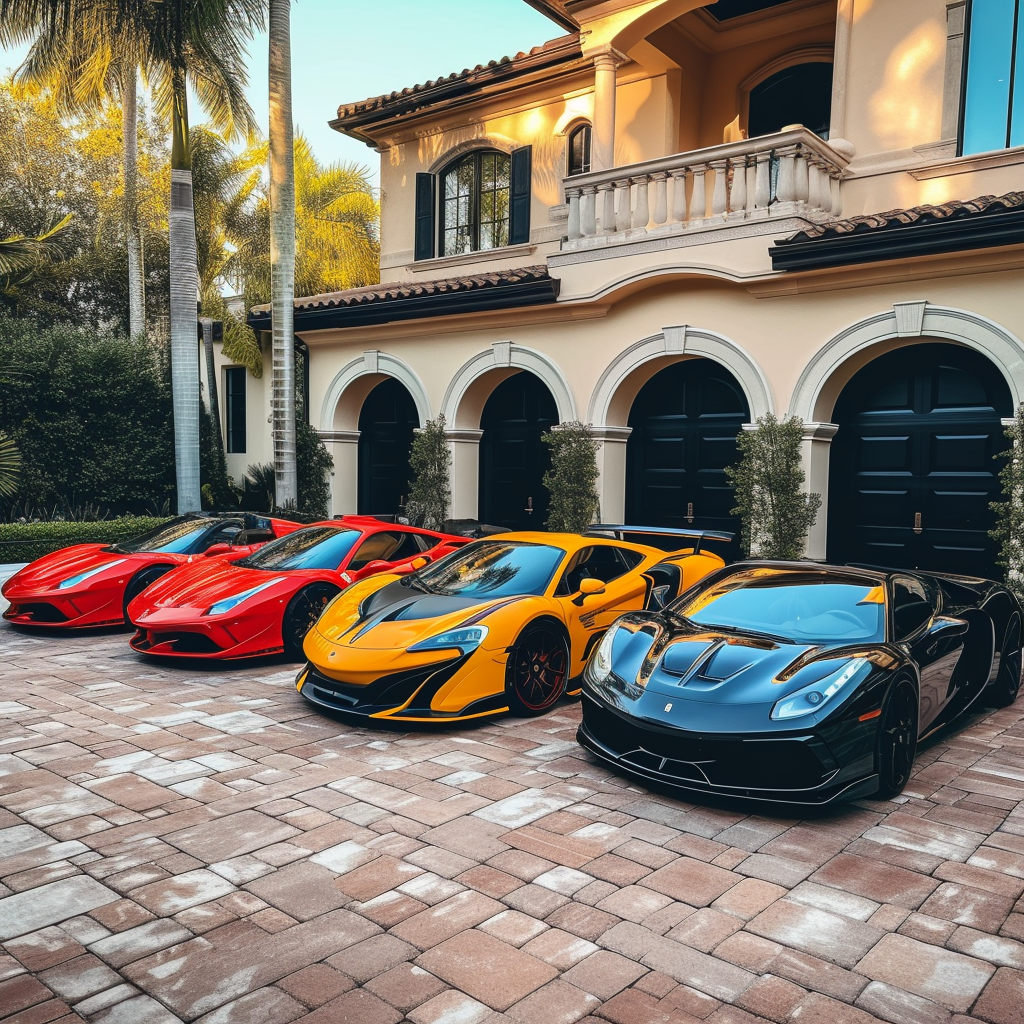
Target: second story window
x,y
577,159
478,201
475,203
993,115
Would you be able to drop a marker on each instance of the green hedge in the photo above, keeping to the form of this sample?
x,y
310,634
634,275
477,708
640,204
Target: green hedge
x,y
24,542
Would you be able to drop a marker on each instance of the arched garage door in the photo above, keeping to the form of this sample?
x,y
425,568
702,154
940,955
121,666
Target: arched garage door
x,y
386,424
913,465
685,420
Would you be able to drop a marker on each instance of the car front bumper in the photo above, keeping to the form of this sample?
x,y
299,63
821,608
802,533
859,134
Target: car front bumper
x,y
790,768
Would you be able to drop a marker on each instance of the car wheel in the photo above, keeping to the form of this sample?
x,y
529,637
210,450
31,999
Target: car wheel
x,y
138,583
897,739
1003,692
537,669
301,614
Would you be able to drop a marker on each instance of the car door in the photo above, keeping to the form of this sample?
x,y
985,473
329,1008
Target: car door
x,y
588,616
934,642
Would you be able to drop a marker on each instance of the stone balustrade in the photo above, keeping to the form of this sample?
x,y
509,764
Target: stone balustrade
x,y
787,174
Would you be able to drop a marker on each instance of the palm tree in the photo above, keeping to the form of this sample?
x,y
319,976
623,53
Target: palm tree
x,y
282,252
179,43
84,68
21,254
10,466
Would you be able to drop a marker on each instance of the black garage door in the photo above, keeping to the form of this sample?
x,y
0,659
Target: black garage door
x,y
513,459
386,424
913,466
685,420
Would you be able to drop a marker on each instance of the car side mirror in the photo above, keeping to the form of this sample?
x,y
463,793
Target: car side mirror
x,y
221,548
377,565
418,563
588,587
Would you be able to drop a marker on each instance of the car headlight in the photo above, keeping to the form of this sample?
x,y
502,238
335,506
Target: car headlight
x,y
73,581
599,666
813,697
466,639
220,607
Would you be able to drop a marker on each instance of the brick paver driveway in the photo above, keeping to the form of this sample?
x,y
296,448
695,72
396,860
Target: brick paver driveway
x,y
180,843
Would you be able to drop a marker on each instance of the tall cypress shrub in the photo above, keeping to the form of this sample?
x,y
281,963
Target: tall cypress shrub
x,y
1009,528
573,502
768,481
430,492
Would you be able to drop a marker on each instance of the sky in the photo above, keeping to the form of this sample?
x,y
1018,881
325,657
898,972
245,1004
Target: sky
x,y
347,50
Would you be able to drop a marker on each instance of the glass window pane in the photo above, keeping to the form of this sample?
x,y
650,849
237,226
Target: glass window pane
x,y
1017,127
989,57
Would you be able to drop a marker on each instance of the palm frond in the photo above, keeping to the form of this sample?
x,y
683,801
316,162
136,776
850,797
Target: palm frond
x,y
10,466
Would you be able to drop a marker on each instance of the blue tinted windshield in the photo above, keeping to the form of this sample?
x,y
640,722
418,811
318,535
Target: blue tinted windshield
x,y
791,605
177,537
316,547
493,568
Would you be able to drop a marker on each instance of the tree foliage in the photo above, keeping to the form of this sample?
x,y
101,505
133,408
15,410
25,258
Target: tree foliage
x,y
314,462
768,482
10,466
1009,528
90,415
571,481
430,493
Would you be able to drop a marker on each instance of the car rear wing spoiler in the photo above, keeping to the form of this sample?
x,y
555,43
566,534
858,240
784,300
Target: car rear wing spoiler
x,y
620,532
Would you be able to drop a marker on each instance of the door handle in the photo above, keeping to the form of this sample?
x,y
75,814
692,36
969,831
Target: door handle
x,y
689,512
918,528
529,506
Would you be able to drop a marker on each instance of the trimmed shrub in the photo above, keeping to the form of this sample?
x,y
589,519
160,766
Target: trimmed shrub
x,y
313,462
1009,528
25,542
430,494
768,481
571,481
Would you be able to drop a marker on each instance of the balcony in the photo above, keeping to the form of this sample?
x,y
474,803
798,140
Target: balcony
x,y
789,174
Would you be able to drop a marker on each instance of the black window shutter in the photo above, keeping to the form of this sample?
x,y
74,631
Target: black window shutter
x,y
425,216
519,200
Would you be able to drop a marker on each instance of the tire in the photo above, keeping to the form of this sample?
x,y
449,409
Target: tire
x,y
301,614
537,669
897,739
1003,692
138,583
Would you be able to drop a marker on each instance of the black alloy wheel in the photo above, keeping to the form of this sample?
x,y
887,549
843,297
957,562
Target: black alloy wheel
x,y
1003,692
303,610
897,739
138,583
537,670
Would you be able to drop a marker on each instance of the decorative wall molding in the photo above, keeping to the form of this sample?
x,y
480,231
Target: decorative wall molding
x,y
372,363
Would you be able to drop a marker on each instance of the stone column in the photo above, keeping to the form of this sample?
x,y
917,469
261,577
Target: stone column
x,y
816,446
611,465
465,449
603,147
344,448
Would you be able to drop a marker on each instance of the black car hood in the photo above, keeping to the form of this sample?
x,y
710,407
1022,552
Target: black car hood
x,y
399,601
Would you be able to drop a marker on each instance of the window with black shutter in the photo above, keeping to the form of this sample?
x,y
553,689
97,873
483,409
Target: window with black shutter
x,y
234,381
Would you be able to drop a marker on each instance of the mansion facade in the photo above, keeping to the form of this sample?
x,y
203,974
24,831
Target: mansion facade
x,y
674,218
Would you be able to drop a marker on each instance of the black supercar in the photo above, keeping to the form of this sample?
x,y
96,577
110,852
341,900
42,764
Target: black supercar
x,y
798,682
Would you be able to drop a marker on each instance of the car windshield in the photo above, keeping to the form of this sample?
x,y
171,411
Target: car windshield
x,y
795,606
177,536
316,547
492,568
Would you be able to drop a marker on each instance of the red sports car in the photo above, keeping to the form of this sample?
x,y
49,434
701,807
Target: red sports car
x,y
92,584
266,603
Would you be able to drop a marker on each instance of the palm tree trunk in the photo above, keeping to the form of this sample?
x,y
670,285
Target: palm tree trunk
x,y
184,286
282,252
211,371
136,270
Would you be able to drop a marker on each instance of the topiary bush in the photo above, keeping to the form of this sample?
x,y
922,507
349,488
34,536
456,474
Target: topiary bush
x,y
313,463
1009,528
430,493
768,481
573,502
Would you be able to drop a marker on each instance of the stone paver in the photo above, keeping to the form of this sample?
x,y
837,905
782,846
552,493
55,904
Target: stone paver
x,y
178,844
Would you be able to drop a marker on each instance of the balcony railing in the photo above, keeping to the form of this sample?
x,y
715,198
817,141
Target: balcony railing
x,y
790,173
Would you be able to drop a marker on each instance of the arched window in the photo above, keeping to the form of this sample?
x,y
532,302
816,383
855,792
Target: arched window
x,y
800,94
994,101
577,158
475,203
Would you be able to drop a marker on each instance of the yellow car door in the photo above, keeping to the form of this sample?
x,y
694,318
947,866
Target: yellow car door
x,y
599,584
